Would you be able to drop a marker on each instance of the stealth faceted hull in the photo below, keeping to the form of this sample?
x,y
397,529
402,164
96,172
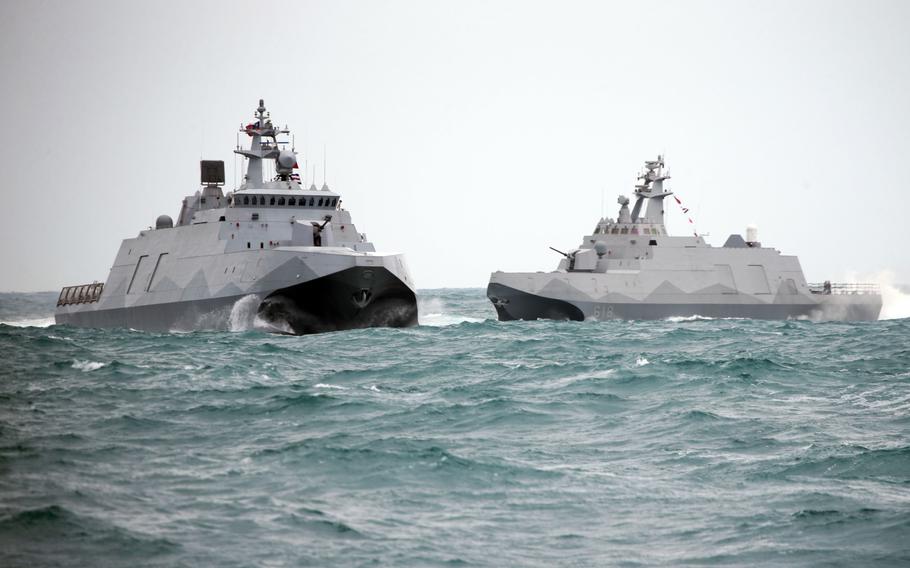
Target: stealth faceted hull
x,y
513,304
294,289
351,299
213,313
354,298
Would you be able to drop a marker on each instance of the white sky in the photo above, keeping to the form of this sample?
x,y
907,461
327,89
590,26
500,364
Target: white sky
x,y
469,135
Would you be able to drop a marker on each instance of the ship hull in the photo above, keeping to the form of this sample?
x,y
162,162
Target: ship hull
x,y
296,290
512,303
331,303
354,298
207,314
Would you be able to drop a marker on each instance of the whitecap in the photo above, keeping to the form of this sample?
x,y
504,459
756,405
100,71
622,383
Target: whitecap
x,y
678,319
566,381
641,361
328,386
434,312
38,322
86,366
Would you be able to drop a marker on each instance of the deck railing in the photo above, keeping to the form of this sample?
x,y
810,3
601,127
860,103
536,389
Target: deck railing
x,y
84,294
844,288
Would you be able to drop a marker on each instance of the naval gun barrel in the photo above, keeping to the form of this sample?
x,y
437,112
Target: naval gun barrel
x,y
560,252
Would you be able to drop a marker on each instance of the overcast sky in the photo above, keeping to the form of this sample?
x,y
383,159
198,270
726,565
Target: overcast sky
x,y
469,135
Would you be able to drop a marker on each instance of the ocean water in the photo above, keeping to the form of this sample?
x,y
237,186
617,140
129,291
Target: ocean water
x,y
462,442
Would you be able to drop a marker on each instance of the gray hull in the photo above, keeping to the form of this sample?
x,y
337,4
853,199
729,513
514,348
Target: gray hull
x,y
513,304
213,314
351,299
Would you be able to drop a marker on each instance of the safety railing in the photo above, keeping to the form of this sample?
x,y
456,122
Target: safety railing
x,y
844,288
83,294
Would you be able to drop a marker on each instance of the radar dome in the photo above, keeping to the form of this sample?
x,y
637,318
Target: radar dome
x,y
286,161
751,234
600,248
164,222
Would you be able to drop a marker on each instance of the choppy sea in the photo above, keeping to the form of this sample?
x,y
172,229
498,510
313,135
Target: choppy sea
x,y
461,442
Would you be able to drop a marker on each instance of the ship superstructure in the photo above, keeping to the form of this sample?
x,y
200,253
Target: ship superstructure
x,y
292,252
630,268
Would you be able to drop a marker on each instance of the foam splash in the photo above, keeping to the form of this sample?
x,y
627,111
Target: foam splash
x,y
641,361
39,322
895,302
243,313
436,313
88,366
678,319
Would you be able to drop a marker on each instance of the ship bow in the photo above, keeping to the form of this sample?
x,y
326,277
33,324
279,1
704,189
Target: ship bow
x,y
353,298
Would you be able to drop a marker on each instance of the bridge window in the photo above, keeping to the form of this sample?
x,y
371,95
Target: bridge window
x,y
272,200
292,201
334,202
280,201
312,201
261,200
320,202
624,231
615,231
246,199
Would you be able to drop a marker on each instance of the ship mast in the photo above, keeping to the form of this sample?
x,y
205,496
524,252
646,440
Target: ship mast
x,y
259,149
652,189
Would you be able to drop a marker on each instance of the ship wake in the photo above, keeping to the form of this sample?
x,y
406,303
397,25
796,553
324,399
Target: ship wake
x,y
895,298
436,313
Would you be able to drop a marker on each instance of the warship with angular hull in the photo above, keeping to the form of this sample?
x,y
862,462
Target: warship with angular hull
x,y
288,253
630,268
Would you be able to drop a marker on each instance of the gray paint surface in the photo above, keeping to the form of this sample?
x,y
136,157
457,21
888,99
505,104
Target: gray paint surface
x,y
631,268
226,247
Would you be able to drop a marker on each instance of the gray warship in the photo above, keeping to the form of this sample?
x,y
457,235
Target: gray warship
x,y
288,252
630,268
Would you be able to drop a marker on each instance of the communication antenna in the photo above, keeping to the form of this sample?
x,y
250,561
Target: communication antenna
x,y
323,164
